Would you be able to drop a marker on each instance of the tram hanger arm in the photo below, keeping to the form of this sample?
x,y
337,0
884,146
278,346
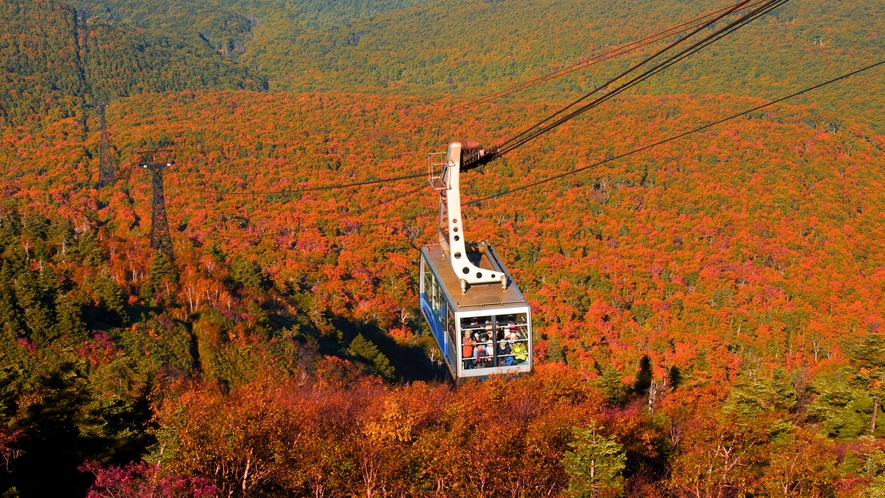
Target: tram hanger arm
x,y
473,155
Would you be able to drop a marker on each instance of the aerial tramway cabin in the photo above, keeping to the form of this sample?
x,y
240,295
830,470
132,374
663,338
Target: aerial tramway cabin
x,y
475,310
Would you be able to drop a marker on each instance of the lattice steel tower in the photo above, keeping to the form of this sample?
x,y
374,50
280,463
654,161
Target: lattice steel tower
x,y
156,161
106,169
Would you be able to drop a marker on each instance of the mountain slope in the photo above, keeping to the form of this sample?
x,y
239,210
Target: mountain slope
x,y
39,59
52,62
468,48
739,269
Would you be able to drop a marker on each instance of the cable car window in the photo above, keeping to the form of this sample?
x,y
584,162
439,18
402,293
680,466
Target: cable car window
x,y
481,333
468,347
449,325
431,288
512,335
428,280
432,292
442,317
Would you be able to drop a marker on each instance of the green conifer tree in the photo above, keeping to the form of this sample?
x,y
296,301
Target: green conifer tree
x,y
10,315
69,323
214,250
88,250
868,362
50,286
260,322
594,464
247,274
161,270
874,468
612,385
367,350
112,297
644,377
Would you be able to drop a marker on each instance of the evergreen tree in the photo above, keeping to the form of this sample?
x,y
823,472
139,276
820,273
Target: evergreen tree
x,y
88,250
675,376
69,322
260,322
10,315
753,394
161,270
849,400
874,468
367,350
49,284
34,227
41,322
644,377
214,250
61,237
112,297
594,464
9,270
8,231
868,362
612,385
246,274
27,289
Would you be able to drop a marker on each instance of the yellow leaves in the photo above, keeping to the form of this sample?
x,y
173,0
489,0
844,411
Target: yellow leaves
x,y
394,424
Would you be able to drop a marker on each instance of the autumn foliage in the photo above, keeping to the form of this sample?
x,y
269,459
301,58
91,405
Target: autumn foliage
x,y
707,314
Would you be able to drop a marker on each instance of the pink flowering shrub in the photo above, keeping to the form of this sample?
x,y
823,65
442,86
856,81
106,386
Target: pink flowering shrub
x,y
142,480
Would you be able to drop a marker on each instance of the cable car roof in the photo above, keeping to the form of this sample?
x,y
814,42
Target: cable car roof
x,y
477,297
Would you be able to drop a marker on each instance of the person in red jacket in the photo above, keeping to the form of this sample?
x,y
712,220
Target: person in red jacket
x,y
467,350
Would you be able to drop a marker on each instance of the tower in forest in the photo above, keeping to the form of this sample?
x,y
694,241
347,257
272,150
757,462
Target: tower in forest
x,y
156,161
106,170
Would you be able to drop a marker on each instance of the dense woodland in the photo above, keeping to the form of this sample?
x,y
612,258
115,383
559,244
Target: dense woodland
x,y
56,59
708,314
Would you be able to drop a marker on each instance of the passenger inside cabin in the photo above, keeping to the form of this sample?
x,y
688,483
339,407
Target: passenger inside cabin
x,y
504,356
467,350
520,353
479,355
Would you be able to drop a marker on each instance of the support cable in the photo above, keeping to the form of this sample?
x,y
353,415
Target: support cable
x,y
338,186
545,125
587,62
409,193
693,24
675,137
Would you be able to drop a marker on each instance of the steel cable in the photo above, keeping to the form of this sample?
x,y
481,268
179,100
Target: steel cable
x,y
540,128
675,137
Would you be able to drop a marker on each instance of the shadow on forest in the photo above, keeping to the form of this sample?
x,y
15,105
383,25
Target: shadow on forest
x,y
410,362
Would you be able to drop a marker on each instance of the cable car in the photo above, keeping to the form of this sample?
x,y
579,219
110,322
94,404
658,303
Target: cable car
x,y
475,310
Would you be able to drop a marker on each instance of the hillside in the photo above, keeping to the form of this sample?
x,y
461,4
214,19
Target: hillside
x,y
222,28
707,313
669,263
53,61
465,49
40,60
230,19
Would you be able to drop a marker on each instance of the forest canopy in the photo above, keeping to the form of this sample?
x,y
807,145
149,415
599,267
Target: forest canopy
x,y
707,314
